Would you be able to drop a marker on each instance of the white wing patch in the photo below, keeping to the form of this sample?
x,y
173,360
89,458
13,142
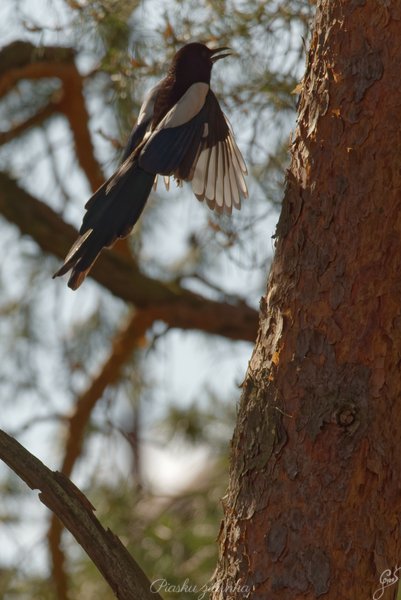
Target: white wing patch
x,y
148,104
187,106
218,176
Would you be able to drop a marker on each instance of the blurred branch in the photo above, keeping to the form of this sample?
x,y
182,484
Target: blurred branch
x,y
37,119
60,495
165,301
22,60
123,345
122,348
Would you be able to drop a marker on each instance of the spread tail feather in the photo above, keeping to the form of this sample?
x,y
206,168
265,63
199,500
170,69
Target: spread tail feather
x,y
111,213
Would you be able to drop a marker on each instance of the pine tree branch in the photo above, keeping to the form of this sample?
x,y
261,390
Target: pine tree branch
x,y
35,120
165,301
22,60
122,348
60,495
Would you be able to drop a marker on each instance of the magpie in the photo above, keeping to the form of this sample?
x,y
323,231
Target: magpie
x,y
182,132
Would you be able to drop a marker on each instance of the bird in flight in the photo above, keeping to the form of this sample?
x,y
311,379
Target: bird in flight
x,y
182,132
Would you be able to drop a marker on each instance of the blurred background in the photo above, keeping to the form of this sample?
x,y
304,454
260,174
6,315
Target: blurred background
x,y
137,409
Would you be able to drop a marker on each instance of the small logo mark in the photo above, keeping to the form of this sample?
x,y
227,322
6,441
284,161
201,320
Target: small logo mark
x,y
388,578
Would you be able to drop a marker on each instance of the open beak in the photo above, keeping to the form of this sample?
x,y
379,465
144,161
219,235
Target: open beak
x,y
213,53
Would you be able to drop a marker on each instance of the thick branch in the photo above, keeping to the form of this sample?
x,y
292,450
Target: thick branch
x,y
23,60
58,493
163,301
23,57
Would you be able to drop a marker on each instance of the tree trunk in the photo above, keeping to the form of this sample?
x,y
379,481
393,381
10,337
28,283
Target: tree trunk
x,y
314,503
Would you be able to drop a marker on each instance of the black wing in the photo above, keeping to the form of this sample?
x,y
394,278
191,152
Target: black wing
x,y
114,183
199,148
115,207
144,119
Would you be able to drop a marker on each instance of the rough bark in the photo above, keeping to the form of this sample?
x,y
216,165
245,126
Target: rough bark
x,y
314,497
58,493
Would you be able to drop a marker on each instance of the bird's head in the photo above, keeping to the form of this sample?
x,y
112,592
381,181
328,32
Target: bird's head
x,y
194,62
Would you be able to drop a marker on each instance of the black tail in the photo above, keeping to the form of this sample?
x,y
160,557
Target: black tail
x,y
111,213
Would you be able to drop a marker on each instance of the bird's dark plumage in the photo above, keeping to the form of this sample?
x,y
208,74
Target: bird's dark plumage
x,y
181,132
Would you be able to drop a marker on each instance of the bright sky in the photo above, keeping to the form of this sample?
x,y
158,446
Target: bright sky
x,y
183,363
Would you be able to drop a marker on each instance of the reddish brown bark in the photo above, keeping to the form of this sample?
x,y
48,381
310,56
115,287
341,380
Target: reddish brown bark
x,y
314,498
